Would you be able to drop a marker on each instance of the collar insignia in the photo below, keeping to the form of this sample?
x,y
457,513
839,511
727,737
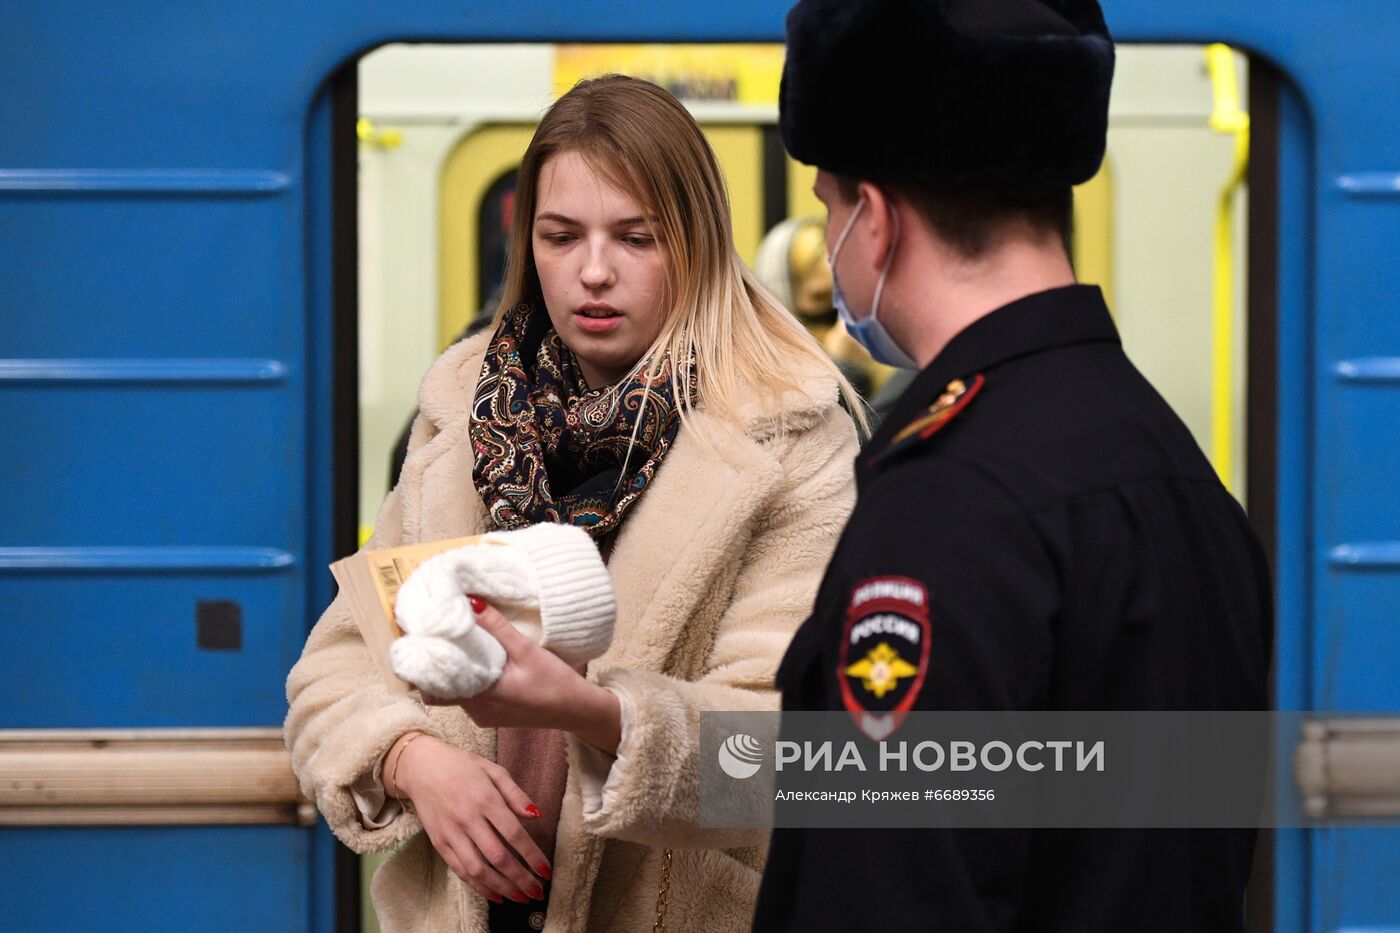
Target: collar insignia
x,y
954,399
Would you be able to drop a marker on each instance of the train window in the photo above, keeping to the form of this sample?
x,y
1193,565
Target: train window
x,y
493,228
1162,228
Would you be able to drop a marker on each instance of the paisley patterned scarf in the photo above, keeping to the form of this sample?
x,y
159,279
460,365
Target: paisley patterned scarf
x,y
550,449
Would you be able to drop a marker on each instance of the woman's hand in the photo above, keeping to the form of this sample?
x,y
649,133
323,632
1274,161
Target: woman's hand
x,y
539,690
471,809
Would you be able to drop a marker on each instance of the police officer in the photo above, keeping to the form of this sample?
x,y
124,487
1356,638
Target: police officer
x,y
1042,523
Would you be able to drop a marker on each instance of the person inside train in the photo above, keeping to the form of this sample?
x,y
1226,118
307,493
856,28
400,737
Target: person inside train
x,y
792,265
641,384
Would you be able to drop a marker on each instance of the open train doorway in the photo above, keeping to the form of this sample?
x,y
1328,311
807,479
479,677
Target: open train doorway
x,y
1165,229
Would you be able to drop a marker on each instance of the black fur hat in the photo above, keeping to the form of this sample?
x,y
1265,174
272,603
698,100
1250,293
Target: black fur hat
x,y
991,93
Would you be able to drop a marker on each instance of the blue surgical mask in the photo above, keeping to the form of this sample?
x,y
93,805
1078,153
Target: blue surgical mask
x,y
869,332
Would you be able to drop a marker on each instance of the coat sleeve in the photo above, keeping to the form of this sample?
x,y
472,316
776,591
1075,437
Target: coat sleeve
x,y
341,718
650,793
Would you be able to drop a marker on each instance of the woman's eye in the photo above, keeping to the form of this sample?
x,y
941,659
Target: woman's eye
x,y
558,239
638,239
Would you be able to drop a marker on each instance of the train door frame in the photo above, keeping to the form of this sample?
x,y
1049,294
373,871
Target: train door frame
x,y
337,113
1261,419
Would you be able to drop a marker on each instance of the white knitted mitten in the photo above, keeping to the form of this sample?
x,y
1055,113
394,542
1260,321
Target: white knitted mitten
x,y
547,580
443,652
573,602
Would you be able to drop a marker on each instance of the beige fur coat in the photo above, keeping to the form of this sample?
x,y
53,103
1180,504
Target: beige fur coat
x,y
715,568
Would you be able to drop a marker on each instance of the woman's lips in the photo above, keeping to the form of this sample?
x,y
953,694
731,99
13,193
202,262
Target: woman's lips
x,y
597,320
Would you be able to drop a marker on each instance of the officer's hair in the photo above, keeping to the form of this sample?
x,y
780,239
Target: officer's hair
x,y
743,342
971,219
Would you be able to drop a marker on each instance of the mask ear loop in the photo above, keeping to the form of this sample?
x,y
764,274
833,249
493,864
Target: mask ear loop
x,y
889,261
845,232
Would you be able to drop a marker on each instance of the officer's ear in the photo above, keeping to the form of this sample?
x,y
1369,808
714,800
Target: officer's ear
x,y
879,222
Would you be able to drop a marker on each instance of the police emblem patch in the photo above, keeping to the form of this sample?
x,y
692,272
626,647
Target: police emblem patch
x,y
884,652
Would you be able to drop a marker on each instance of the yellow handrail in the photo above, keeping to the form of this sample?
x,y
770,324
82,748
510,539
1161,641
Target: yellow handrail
x,y
370,135
1226,117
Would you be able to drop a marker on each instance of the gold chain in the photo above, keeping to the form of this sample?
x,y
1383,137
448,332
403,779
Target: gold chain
x,y
662,891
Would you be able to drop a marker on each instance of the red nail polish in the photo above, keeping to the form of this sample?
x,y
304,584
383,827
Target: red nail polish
x,y
494,898
520,898
542,869
533,810
537,893
478,604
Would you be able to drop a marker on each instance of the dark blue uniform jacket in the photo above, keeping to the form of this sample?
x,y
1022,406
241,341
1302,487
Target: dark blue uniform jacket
x,y
1077,552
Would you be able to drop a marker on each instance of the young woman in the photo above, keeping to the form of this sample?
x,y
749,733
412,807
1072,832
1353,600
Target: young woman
x,y
640,384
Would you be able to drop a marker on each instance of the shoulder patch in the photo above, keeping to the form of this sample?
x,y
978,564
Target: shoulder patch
x,y
954,399
884,652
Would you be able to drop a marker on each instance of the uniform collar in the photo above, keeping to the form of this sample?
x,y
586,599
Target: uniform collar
x,y
1042,321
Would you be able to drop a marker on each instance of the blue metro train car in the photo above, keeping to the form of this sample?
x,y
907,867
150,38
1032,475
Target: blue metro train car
x,y
178,379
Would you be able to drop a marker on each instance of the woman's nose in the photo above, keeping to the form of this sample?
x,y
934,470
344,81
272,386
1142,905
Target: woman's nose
x,y
597,271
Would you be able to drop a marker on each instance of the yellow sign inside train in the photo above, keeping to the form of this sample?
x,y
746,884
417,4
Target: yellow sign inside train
x,y
732,74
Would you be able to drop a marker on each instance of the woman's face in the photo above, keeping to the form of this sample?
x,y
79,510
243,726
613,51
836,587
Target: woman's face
x,y
601,267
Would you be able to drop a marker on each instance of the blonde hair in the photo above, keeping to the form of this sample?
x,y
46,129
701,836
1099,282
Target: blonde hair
x,y
647,144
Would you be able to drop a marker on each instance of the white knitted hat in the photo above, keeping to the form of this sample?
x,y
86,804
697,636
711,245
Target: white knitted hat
x,y
547,580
